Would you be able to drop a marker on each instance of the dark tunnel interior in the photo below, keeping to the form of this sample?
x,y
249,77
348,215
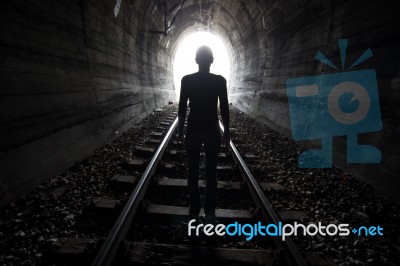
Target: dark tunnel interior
x,y
74,73
78,73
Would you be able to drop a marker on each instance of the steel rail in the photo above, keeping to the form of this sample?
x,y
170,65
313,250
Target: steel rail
x,y
109,249
293,255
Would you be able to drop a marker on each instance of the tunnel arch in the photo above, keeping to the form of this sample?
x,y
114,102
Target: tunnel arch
x,y
233,23
221,18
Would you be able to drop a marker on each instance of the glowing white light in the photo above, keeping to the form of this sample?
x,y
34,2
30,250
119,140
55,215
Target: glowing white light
x,y
184,62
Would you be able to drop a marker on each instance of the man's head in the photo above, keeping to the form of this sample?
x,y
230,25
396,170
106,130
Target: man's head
x,y
204,56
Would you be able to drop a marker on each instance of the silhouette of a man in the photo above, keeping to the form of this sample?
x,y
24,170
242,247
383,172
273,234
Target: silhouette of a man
x,y
203,90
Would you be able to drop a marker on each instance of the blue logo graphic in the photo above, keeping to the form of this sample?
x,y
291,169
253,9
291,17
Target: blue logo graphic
x,y
338,104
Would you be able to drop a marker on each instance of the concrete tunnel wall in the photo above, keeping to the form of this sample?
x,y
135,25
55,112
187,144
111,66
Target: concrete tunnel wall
x,y
73,73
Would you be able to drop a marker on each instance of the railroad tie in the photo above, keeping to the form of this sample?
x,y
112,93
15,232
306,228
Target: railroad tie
x,y
166,214
144,151
173,182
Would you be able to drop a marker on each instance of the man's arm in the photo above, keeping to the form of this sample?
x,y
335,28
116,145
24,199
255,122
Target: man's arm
x,y
182,108
224,107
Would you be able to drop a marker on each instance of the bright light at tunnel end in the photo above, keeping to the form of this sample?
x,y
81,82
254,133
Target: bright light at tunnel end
x,y
184,61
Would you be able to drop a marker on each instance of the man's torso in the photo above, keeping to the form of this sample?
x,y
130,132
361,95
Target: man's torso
x,y
203,91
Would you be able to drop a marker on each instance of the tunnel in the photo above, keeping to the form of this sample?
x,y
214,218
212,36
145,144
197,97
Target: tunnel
x,y
77,74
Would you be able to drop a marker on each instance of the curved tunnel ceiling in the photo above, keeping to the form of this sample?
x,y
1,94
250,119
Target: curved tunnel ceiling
x,y
232,21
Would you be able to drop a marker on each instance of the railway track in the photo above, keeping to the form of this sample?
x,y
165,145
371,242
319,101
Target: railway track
x,y
153,219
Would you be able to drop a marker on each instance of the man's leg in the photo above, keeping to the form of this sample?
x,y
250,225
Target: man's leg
x,y
212,145
193,145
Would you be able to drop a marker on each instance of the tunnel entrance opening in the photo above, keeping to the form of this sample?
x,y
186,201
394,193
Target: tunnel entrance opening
x,y
184,60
